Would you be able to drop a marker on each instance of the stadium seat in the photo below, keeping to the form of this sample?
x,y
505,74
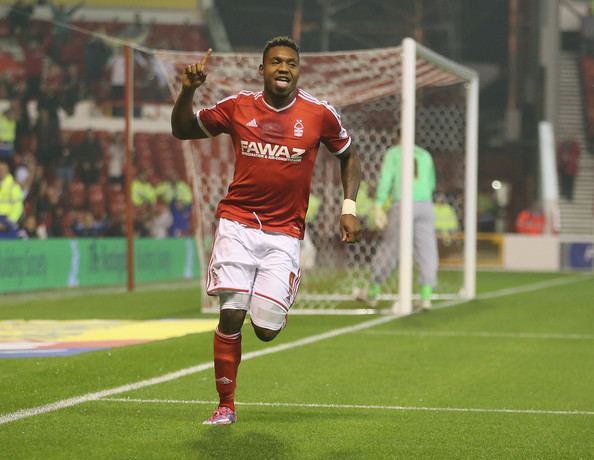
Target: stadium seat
x,y
76,195
96,199
67,220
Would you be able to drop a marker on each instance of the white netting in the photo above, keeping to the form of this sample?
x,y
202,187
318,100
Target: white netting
x,y
365,87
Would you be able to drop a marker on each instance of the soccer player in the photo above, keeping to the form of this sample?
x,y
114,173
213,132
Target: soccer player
x,y
385,259
254,264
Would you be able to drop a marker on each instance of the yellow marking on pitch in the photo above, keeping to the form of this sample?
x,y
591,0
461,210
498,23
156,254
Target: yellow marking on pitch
x,y
148,330
101,330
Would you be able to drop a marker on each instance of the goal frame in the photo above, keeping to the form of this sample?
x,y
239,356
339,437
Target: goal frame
x,y
411,50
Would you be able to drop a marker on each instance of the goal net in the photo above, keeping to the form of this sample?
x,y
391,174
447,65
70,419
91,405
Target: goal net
x,y
368,87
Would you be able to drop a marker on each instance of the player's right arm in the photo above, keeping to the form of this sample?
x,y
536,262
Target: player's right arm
x,y
183,120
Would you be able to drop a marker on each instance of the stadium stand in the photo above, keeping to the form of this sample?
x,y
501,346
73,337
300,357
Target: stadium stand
x,y
59,197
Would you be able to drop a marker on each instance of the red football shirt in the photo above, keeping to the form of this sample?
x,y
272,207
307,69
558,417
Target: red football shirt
x,y
275,151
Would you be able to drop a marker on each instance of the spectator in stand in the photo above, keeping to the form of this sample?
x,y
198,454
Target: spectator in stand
x,y
50,196
160,221
117,80
531,221
96,56
32,184
486,209
65,165
25,171
70,90
115,225
51,90
568,154
23,126
116,158
446,220
117,66
86,225
11,203
54,222
181,219
52,77
8,123
31,230
89,155
34,53
48,139
173,188
61,17
143,193
143,199
19,17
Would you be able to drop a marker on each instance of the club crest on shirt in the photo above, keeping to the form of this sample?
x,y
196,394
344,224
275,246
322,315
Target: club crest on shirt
x,y
298,128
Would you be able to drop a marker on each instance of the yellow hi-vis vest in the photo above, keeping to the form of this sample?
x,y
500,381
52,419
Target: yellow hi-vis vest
x,y
7,129
11,199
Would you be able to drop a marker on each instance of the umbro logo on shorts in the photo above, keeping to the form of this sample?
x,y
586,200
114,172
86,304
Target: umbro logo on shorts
x,y
224,381
252,123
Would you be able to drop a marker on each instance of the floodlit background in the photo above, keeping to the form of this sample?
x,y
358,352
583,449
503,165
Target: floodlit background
x,y
103,339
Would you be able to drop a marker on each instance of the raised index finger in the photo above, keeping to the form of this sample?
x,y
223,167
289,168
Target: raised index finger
x,y
204,59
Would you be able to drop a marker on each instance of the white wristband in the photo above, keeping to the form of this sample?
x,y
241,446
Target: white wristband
x,y
349,207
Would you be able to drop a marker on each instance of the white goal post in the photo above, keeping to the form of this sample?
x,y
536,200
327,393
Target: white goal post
x,y
415,59
430,99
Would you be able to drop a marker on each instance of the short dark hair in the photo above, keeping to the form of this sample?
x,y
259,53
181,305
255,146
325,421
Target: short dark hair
x,y
280,41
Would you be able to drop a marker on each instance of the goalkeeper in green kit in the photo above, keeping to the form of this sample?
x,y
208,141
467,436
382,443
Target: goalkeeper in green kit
x,y
385,259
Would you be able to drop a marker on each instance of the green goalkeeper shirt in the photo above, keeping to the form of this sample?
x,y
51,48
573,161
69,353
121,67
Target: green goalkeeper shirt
x,y
389,183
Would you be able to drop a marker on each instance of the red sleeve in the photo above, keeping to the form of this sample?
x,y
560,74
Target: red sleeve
x,y
217,119
334,136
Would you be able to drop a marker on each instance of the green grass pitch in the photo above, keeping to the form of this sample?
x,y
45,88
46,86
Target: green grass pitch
x,y
508,375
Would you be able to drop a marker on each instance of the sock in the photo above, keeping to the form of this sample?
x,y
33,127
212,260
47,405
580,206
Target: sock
x,y
373,291
227,356
426,291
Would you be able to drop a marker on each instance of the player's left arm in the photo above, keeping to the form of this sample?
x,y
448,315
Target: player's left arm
x,y
350,171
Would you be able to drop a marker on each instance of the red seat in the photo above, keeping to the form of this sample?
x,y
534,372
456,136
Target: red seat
x,y
76,194
96,200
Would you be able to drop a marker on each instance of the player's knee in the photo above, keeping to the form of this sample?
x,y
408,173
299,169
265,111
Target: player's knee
x,y
265,335
233,310
268,318
230,321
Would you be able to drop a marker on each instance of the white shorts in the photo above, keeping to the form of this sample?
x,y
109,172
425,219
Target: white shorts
x,y
264,266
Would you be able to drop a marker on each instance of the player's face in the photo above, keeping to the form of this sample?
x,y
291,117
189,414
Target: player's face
x,y
280,71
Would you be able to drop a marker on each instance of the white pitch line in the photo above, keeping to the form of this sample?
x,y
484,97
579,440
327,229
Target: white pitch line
x,y
534,286
362,406
517,290
24,413
33,411
484,334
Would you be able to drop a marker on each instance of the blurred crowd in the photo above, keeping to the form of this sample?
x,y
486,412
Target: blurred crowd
x,y
56,183
80,193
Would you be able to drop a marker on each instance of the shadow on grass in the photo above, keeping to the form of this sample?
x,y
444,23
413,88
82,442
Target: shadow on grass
x,y
222,442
